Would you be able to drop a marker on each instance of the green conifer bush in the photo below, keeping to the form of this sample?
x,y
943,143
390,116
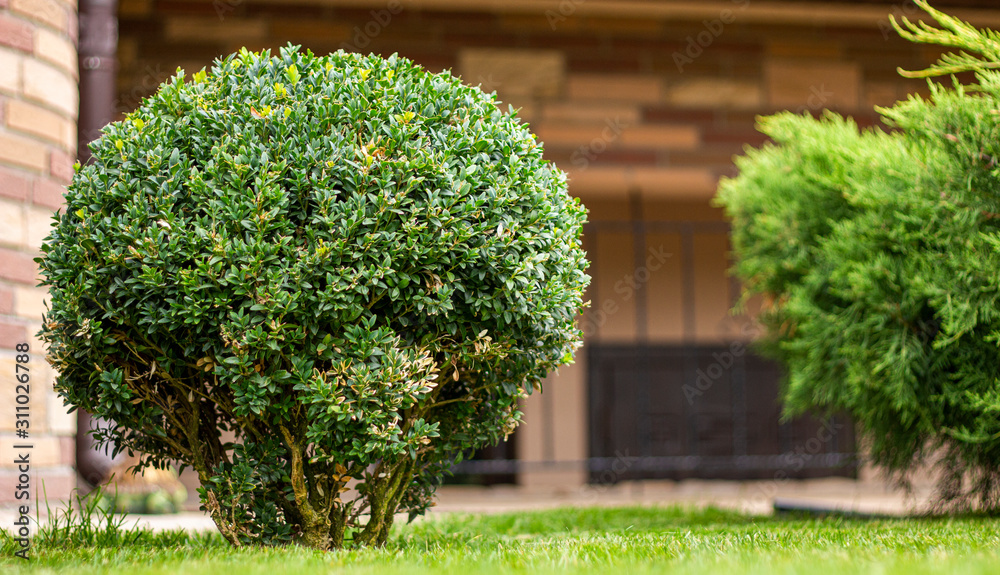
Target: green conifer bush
x,y
878,256
352,266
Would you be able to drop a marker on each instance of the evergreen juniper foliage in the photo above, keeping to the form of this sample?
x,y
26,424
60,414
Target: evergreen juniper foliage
x,y
353,266
878,257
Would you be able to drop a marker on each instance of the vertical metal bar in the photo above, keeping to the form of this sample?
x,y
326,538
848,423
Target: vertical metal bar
x,y
548,428
833,446
596,415
688,287
689,345
591,316
639,264
640,383
641,375
739,378
784,436
739,405
597,408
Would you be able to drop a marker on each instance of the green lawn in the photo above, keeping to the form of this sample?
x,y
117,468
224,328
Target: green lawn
x,y
593,540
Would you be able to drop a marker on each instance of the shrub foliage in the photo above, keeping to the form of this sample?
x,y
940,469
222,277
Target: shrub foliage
x,y
877,254
317,281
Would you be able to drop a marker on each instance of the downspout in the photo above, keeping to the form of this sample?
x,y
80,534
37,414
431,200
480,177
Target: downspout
x,y
98,91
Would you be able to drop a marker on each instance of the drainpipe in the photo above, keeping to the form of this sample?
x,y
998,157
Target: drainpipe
x,y
98,91
98,69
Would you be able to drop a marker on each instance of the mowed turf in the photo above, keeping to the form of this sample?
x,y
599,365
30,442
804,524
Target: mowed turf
x,y
588,540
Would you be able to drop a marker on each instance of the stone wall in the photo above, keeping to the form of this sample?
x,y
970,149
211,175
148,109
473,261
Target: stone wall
x,y
38,112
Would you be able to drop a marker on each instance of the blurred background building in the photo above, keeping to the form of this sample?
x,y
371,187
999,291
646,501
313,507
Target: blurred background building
x,y
643,102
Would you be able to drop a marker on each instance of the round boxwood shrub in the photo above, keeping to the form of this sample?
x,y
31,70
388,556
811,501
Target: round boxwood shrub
x,y
317,281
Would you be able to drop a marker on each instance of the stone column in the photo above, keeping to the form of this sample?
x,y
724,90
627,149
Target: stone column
x,y
552,441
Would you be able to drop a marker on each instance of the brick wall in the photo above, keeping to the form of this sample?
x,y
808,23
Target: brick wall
x,y
38,111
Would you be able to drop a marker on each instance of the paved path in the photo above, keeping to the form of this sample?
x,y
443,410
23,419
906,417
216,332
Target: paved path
x,y
753,497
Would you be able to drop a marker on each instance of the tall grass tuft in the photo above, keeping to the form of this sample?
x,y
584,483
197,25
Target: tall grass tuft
x,y
87,521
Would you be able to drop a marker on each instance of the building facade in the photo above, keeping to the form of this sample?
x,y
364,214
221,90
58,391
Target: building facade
x,y
643,102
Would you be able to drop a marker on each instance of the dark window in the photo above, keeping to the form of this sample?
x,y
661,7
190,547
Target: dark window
x,y
710,412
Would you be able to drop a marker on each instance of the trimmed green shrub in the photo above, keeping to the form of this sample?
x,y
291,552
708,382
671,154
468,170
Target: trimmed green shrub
x,y
353,267
877,255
